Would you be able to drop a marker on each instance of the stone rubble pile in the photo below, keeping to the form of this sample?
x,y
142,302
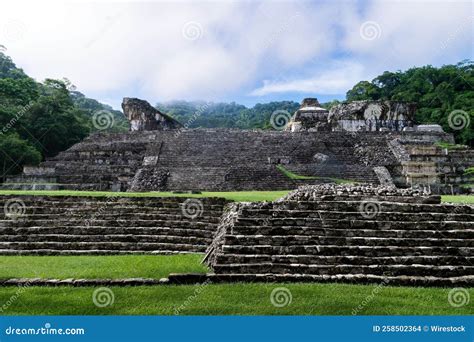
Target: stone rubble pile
x,y
312,192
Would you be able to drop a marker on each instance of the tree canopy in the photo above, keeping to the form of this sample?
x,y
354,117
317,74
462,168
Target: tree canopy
x,y
226,115
441,95
39,120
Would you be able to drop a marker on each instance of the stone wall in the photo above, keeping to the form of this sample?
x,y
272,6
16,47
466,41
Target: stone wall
x,y
440,169
371,116
42,225
309,117
355,116
361,234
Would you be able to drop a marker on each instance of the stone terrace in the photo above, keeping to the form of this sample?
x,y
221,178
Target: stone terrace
x,y
214,160
59,225
346,233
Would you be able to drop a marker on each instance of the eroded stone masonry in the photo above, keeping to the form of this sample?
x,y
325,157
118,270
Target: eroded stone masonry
x,y
369,142
324,233
388,227
346,233
144,117
107,225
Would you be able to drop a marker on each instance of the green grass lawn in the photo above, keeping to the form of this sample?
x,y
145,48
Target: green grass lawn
x,y
238,196
450,146
219,299
295,176
468,199
234,299
214,299
94,267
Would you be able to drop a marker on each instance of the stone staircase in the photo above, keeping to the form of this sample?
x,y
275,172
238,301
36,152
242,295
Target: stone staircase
x,y
41,225
102,161
227,160
200,159
440,169
378,235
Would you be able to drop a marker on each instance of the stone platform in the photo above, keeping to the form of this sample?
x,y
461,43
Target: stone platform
x,y
42,225
346,233
231,160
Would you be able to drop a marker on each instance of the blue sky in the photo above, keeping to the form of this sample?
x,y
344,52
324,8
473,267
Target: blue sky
x,y
242,51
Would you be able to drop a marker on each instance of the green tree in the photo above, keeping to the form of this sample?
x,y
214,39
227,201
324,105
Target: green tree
x,y
15,153
436,91
53,123
363,91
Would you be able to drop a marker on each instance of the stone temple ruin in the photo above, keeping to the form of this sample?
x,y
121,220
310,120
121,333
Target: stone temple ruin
x,y
324,233
143,117
349,233
389,225
366,142
356,116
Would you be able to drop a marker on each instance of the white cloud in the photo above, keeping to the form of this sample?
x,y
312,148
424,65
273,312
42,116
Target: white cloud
x,y
104,47
412,33
336,79
388,35
115,49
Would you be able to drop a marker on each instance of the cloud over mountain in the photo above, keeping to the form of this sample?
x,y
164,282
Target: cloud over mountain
x,y
210,50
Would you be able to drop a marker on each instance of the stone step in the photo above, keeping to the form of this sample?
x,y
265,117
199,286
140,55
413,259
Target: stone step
x,y
99,186
350,216
26,282
352,224
111,161
104,157
304,240
393,270
404,225
204,232
92,252
118,208
328,250
92,216
447,260
124,246
396,216
356,206
86,201
359,232
116,238
112,206
179,223
316,199
31,186
466,281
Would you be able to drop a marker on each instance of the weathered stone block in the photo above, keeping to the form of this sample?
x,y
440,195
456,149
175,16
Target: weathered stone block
x,y
143,117
371,116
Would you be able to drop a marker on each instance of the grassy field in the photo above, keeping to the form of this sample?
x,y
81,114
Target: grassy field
x,y
295,176
234,299
468,199
94,267
217,299
238,196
